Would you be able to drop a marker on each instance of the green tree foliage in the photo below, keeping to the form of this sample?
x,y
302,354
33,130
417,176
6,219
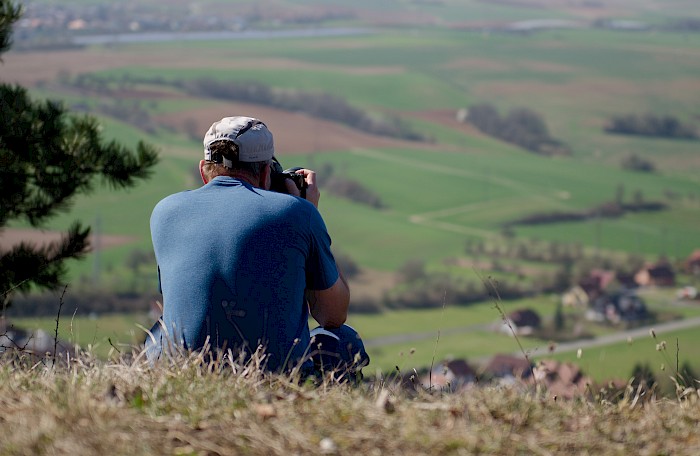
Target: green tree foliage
x,y
47,157
347,188
650,125
9,13
521,126
559,321
634,162
320,105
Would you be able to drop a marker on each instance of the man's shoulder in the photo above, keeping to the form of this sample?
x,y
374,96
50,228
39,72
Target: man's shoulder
x,y
176,201
287,200
174,198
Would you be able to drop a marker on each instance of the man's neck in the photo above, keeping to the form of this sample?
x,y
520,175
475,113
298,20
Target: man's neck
x,y
241,177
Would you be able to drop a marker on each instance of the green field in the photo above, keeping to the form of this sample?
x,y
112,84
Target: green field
x,y
481,183
102,335
439,334
617,361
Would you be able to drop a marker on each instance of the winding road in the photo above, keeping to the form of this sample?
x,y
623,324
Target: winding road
x,y
564,347
622,336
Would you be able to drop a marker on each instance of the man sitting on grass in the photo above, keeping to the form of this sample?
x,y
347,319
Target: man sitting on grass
x,y
241,266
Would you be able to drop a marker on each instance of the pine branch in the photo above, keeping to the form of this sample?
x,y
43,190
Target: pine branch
x,y
26,265
9,13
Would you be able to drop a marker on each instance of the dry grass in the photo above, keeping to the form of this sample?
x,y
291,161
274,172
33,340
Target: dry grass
x,y
127,407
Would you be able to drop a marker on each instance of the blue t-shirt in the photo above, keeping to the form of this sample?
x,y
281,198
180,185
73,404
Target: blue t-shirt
x,y
234,261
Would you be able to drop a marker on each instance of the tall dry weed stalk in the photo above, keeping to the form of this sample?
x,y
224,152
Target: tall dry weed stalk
x,y
491,286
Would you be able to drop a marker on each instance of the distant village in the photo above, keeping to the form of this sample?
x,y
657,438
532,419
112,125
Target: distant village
x,y
604,297
116,18
60,22
53,25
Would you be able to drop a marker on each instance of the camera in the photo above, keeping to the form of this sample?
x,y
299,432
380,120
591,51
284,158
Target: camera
x,y
279,176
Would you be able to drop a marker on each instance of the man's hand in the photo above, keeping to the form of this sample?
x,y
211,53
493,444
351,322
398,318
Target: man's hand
x,y
313,194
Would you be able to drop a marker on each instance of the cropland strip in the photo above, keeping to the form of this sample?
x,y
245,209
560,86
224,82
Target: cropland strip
x,y
29,68
295,133
599,91
11,237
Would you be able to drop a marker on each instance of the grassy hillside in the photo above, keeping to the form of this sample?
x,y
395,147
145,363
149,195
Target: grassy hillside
x,y
183,408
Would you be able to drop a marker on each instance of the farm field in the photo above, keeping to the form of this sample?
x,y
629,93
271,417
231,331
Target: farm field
x,y
415,339
471,183
124,330
437,195
662,354
101,335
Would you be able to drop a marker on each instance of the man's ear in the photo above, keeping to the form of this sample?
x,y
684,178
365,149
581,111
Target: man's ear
x,y
201,172
265,177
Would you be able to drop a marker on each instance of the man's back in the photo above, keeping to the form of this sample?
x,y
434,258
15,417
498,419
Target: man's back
x,y
234,261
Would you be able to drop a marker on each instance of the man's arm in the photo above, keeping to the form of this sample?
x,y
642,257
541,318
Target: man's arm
x,y
329,307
